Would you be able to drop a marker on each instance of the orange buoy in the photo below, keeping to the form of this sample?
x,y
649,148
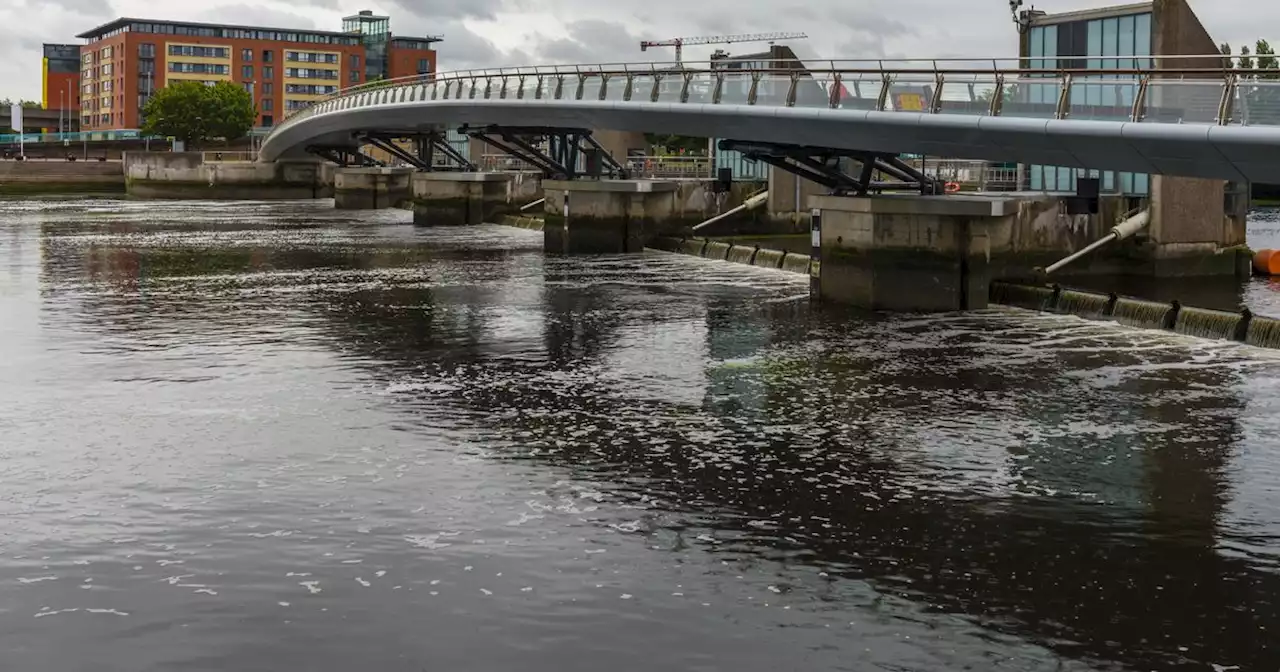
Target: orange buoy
x,y
952,187
1266,262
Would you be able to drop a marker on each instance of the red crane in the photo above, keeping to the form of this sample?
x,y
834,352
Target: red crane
x,y
680,42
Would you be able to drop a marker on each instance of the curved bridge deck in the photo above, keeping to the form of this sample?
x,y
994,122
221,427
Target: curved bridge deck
x,y
1188,121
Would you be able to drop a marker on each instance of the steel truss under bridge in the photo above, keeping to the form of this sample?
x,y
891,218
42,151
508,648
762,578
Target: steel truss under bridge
x,y
559,160
426,147
343,156
822,165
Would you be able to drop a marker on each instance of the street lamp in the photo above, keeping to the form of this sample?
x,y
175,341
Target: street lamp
x,y
253,100
146,139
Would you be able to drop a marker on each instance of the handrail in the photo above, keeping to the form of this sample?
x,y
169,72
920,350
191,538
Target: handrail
x,y
570,82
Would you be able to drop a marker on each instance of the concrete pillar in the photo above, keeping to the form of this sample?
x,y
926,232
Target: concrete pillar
x,y
371,188
610,216
450,199
910,253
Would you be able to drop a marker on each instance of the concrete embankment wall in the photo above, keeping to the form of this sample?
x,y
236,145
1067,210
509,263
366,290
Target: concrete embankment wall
x,y
32,178
185,175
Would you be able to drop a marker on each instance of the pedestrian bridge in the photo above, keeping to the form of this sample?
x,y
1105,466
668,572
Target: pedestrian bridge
x,y
1164,117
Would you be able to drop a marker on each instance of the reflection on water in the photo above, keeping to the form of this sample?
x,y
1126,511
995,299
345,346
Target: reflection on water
x,y
242,434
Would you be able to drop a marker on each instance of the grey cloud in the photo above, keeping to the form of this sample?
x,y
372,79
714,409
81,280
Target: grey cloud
x,y
250,15
592,41
444,10
84,9
462,48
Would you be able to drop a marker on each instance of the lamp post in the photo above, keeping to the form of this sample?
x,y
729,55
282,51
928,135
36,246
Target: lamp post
x,y
146,137
253,100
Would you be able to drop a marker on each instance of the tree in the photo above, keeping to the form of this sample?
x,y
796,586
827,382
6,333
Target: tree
x,y
1258,102
1226,51
195,113
1268,66
29,104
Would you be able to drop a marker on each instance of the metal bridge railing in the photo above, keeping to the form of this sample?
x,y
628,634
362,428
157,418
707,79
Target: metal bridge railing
x,y
1165,89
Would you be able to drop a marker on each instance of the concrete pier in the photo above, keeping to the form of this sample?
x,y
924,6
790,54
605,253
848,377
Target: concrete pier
x,y
451,199
916,253
371,188
610,216
940,253
185,175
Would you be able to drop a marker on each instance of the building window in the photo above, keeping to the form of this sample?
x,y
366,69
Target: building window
x,y
355,61
267,121
266,104
268,56
200,68
355,76
246,72
147,50
310,89
268,88
268,72
310,73
201,52
246,55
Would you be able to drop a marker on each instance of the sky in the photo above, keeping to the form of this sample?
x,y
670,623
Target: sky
x,y
492,33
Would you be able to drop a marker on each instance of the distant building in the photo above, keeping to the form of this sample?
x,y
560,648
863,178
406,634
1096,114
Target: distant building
x,y
124,62
1117,37
60,77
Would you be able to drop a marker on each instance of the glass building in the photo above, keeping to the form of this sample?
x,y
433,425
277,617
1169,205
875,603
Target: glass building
x,y
1115,37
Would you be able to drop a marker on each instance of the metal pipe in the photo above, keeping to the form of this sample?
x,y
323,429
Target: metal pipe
x,y
1120,231
755,201
536,203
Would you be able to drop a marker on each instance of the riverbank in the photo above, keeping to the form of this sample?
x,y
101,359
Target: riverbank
x,y
23,179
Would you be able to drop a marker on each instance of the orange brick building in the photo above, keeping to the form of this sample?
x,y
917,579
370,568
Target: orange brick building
x,y
125,61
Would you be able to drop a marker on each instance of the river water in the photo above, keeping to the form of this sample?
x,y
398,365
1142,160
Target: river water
x,y
274,436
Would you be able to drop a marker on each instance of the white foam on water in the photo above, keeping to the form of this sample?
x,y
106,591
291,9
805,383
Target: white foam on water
x,y
428,541
380,573
313,586
363,582
38,579
114,612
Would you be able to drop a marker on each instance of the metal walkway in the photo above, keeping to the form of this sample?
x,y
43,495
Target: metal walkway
x,y
1165,118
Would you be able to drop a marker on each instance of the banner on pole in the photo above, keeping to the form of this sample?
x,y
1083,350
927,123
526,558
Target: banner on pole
x,y
15,117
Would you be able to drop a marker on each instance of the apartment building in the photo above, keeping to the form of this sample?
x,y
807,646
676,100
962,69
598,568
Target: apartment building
x,y
124,62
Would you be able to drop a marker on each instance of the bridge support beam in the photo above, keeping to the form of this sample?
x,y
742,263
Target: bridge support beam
x,y
371,188
342,155
610,216
556,152
452,198
827,167
426,149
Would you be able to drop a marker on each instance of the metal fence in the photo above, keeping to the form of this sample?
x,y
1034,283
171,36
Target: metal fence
x,y
1167,89
228,157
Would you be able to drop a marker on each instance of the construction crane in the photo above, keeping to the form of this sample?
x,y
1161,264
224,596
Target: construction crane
x,y
680,42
